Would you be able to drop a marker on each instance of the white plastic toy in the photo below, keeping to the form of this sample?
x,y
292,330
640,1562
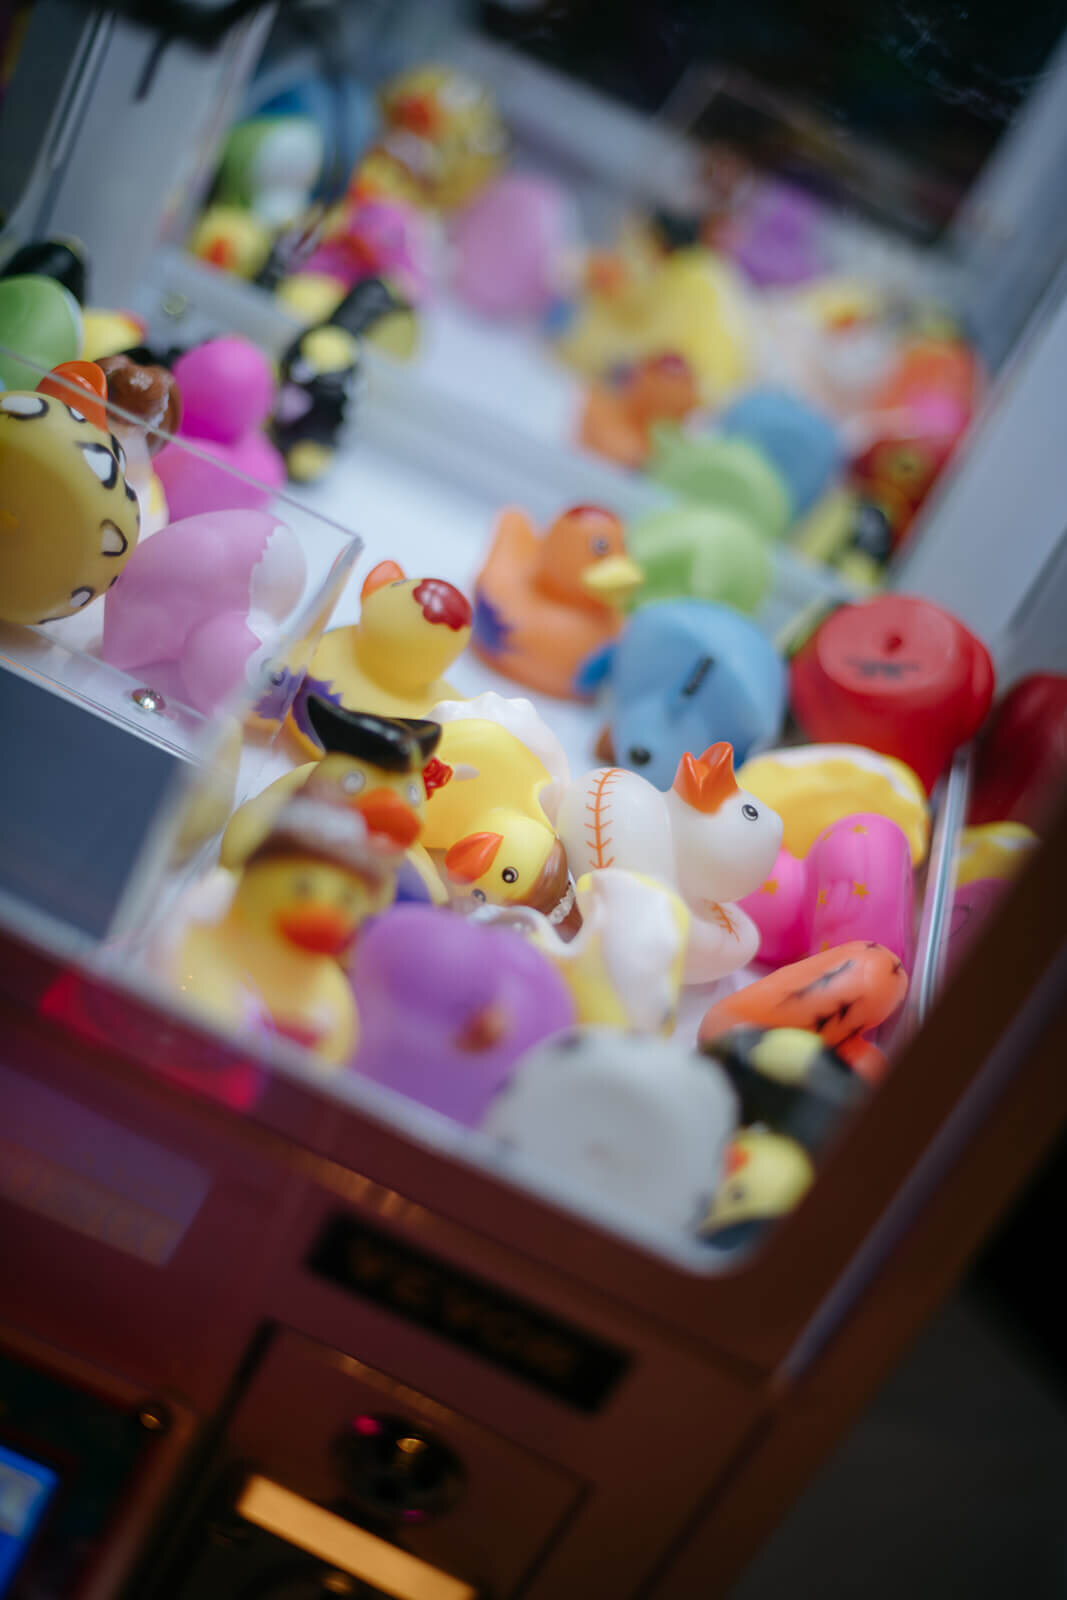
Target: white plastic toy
x,y
705,837
641,1124
624,966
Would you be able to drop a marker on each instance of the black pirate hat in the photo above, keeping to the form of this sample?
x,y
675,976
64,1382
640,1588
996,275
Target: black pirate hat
x,y
392,743
427,734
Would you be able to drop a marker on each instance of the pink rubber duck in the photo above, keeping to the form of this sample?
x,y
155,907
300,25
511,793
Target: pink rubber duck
x,y
509,245
200,612
854,883
227,390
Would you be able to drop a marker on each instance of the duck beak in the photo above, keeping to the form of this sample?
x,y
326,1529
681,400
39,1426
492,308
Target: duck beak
x,y
318,928
385,813
484,1030
612,580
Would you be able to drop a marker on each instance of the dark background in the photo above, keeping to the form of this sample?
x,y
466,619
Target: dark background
x,y
934,82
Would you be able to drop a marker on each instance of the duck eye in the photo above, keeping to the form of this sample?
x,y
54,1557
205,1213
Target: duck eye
x,y
509,874
352,782
639,756
600,547
477,894
736,1191
303,887
750,812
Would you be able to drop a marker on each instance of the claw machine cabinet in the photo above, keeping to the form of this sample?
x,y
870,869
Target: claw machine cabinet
x,y
270,1329
375,1353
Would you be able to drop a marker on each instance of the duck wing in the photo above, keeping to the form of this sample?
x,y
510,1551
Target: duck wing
x,y
515,547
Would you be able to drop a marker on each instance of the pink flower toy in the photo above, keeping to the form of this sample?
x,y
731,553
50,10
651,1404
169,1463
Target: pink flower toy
x,y
227,390
854,883
200,612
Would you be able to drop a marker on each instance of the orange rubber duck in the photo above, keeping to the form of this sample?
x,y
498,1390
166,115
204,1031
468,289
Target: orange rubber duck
x,y
544,606
617,420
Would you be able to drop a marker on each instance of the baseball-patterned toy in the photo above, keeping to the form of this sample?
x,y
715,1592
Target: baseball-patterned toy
x,y
706,837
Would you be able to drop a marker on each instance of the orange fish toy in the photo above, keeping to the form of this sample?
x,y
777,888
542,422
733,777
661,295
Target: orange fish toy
x,y
840,994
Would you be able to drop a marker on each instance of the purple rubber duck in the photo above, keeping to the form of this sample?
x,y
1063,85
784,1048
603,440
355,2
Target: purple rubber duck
x,y
447,1007
777,239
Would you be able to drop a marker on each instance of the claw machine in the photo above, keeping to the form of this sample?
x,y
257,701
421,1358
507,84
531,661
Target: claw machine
x,y
530,873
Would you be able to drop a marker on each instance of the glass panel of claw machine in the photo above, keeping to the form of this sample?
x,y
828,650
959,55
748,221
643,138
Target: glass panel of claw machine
x,y
747,397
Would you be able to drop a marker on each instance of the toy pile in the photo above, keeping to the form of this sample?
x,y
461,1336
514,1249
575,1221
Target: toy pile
x,y
665,979
732,354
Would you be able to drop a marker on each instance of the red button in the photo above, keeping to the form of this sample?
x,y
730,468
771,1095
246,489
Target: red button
x,y
895,674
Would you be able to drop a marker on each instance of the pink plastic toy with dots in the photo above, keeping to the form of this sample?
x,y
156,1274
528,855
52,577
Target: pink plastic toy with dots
x,y
854,883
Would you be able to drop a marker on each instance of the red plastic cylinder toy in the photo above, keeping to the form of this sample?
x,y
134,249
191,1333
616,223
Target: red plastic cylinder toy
x,y
895,674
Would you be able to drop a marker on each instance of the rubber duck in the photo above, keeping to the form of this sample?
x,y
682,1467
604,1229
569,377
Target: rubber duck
x,y
40,326
701,552
445,129
706,838
269,166
232,239
511,246
320,373
638,1125
812,786
390,662
624,967
379,767
618,418
639,303
272,962
837,994
543,606
377,237
684,674
794,1092
227,392
447,1007
488,828
143,387
69,520
855,882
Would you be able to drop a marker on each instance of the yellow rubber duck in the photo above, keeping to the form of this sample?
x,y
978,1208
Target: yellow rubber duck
x,y
378,767
640,304
390,662
544,606
767,1174
444,128
492,838
272,962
